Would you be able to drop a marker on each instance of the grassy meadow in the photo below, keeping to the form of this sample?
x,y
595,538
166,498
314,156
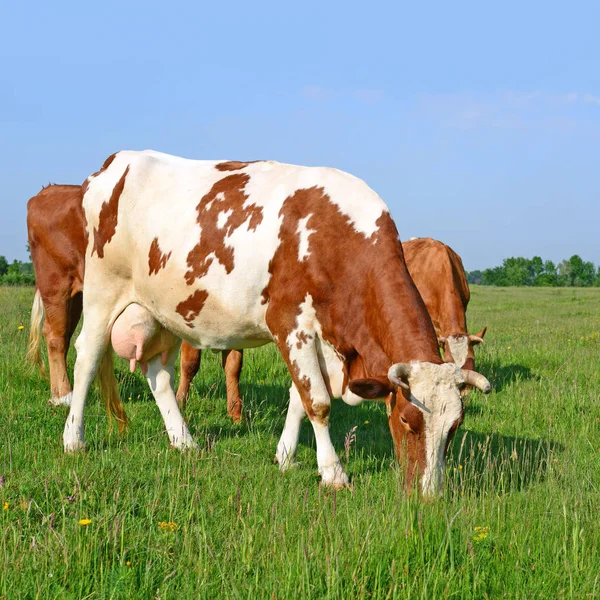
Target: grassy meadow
x,y
131,518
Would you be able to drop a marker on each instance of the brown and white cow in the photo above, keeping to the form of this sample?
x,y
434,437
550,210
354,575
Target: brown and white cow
x,y
57,238
236,255
440,277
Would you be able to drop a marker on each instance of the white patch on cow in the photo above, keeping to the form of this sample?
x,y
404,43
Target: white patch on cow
x,y
288,442
62,401
459,347
218,198
434,390
222,218
304,235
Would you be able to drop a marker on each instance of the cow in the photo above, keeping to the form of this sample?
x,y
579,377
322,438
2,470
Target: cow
x,y
57,239
440,277
229,254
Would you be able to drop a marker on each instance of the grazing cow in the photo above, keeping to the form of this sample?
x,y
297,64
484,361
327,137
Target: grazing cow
x,y
57,238
440,277
236,255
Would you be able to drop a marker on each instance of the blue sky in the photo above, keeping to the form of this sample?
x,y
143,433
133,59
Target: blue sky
x,y
477,124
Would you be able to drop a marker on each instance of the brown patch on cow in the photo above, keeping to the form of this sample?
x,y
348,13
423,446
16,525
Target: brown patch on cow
x,y
320,413
156,259
107,220
234,165
302,339
226,194
409,438
190,308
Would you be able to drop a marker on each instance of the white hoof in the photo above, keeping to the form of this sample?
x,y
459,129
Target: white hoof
x,y
285,463
184,443
62,401
334,476
74,446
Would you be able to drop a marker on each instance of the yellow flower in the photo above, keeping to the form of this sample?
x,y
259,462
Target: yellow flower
x,y
85,522
366,422
460,467
167,526
128,563
481,533
21,327
6,505
508,347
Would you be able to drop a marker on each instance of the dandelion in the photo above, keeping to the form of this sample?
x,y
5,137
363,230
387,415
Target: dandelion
x,y
366,422
481,533
460,467
128,563
21,327
6,505
508,348
167,526
84,522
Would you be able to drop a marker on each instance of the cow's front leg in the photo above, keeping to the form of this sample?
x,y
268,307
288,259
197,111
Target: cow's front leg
x,y
301,356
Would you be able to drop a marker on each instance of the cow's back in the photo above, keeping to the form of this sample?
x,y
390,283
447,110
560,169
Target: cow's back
x,y
57,238
440,277
195,239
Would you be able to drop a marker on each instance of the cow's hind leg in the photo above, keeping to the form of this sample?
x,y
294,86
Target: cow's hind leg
x,y
102,307
189,365
56,332
232,365
160,379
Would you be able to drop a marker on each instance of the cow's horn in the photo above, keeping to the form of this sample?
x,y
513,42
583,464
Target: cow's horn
x,y
476,338
476,379
397,372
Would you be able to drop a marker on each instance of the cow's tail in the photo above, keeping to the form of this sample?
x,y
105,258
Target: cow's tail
x,y
109,392
38,313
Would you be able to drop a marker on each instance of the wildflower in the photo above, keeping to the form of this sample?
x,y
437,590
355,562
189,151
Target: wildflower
x,y
128,563
460,467
6,505
366,422
21,327
167,526
508,347
85,522
481,533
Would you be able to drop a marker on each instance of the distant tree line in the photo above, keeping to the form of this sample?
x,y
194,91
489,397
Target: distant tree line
x,y
574,272
16,273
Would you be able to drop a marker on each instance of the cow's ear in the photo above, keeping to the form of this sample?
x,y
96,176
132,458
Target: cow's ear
x,y
371,388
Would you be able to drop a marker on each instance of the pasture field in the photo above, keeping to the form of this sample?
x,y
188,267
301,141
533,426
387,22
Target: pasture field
x,y
519,517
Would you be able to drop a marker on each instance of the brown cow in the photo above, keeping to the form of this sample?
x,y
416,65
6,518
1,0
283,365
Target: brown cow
x,y
440,277
57,238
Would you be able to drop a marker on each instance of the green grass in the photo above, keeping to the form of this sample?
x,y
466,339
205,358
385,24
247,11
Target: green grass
x,y
524,466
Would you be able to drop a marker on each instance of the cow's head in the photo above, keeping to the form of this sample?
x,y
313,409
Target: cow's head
x,y
459,348
424,411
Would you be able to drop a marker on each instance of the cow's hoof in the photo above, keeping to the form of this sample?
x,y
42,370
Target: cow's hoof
x,y
285,464
334,477
185,445
74,446
62,401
